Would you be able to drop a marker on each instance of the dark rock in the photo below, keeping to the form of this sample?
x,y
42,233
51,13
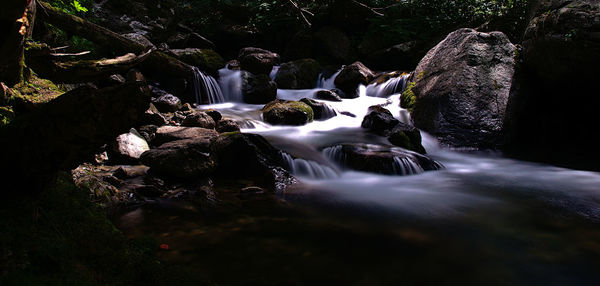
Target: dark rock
x,y
199,119
227,125
204,59
281,112
407,137
139,39
462,87
381,159
165,102
348,113
187,109
148,132
128,147
134,75
558,72
351,77
299,74
153,117
172,133
128,172
321,110
184,159
300,46
403,56
258,89
233,65
334,44
216,115
257,61
379,120
330,95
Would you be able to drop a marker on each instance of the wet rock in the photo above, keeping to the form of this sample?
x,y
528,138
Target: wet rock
x,y
258,89
227,125
129,147
462,87
165,102
184,159
329,95
199,119
407,137
321,111
379,120
139,39
281,112
299,74
257,61
381,159
351,77
148,132
128,172
216,115
204,59
172,133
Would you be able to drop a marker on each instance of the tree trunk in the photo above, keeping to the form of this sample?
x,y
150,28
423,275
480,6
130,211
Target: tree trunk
x,y
16,24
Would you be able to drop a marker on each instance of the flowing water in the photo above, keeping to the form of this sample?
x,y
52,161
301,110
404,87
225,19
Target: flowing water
x,y
483,219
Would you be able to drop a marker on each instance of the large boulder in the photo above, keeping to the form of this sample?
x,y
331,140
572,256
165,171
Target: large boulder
x,y
322,111
299,74
258,89
204,59
257,61
281,112
554,98
462,86
184,159
380,159
379,120
351,77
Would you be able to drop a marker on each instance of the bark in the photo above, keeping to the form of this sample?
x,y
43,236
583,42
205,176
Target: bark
x,y
16,24
157,63
49,65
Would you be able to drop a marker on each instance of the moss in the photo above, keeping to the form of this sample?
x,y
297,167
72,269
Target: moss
x,y
60,238
302,107
37,90
408,98
6,115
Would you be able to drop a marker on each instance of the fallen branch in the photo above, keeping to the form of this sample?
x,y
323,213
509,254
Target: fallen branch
x,y
301,12
368,7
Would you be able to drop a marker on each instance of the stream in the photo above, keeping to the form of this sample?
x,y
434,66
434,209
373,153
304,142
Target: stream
x,y
482,219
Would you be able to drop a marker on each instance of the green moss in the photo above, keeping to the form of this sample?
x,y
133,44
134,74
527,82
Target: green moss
x,y
408,98
302,107
6,115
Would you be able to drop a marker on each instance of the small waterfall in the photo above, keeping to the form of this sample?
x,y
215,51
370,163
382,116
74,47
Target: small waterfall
x,y
334,153
307,168
391,86
231,84
406,166
274,71
327,83
206,86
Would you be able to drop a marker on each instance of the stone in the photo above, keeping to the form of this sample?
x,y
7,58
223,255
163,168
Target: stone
x,y
204,59
257,61
281,112
321,110
199,119
183,159
165,102
329,95
153,117
379,120
462,86
351,77
128,147
258,89
166,134
334,44
407,137
299,74
139,39
227,125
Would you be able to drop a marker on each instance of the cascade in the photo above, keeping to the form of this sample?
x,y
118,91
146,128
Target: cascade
x,y
307,168
391,86
207,86
230,82
406,166
327,83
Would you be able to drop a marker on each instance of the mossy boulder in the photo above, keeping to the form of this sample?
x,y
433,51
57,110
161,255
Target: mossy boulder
x,y
281,112
204,59
321,110
351,77
258,89
257,61
299,74
407,137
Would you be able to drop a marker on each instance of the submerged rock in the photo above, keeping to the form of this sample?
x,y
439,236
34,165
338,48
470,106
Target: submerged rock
x,y
257,61
381,159
299,74
379,120
258,89
351,77
462,87
281,112
321,111
184,159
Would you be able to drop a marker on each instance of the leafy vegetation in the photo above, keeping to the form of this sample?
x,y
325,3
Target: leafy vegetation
x,y
75,7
